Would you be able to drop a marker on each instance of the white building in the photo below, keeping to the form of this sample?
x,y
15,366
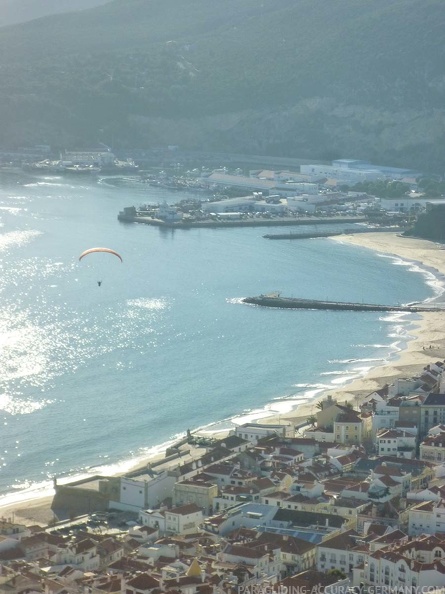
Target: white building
x,y
416,565
82,554
254,431
384,417
395,442
144,492
407,203
432,448
249,515
185,519
168,213
340,552
427,517
153,519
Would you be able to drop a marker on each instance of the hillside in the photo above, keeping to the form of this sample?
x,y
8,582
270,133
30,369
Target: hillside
x,y
308,78
430,225
21,11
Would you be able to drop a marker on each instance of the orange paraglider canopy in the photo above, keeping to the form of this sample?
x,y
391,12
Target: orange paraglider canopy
x,y
100,249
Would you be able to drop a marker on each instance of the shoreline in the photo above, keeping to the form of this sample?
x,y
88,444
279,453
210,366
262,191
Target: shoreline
x,y
425,343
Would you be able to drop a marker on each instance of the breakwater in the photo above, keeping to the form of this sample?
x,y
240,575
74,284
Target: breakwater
x,y
308,235
297,303
316,234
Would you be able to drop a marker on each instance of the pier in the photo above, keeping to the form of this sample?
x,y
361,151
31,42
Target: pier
x,y
275,300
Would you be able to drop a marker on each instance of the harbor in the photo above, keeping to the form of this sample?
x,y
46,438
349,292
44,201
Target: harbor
x,y
131,215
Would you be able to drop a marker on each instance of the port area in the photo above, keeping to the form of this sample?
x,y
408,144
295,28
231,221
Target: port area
x,y
126,216
275,300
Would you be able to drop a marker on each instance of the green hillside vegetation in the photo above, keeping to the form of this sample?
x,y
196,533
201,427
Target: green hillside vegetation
x,y
308,78
21,11
430,225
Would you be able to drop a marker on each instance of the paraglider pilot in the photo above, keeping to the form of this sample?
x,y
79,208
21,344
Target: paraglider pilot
x,y
99,249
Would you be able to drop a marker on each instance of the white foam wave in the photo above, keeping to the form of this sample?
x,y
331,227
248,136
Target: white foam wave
x,y
316,386
343,380
372,346
41,184
430,275
335,373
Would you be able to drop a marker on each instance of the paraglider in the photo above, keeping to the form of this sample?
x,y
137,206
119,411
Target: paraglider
x,y
100,249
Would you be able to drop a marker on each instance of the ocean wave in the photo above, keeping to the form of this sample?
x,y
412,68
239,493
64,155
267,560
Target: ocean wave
x,y
372,346
343,380
430,275
41,184
236,300
397,316
336,372
316,386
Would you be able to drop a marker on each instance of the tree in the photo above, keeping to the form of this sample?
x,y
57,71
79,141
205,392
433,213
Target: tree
x,y
337,572
312,420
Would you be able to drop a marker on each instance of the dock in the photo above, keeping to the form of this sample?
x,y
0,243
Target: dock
x,y
275,300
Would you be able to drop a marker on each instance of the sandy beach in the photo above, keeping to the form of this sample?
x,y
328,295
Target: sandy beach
x,y
427,344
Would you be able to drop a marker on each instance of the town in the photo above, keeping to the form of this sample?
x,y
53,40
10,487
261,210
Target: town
x,y
347,191
352,498
279,191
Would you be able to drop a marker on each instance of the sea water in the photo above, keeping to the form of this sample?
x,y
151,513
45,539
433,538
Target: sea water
x,y
91,377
